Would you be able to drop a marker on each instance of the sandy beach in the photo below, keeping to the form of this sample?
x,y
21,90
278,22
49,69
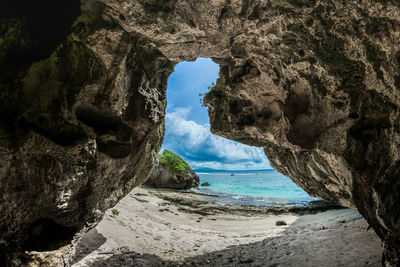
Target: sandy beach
x,y
152,231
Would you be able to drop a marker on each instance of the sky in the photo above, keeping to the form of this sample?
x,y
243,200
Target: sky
x,y
187,124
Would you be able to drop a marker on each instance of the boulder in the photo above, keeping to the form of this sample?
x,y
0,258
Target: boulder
x,y
205,184
172,172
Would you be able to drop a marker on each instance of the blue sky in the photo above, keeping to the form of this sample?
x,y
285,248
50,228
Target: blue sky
x,y
187,123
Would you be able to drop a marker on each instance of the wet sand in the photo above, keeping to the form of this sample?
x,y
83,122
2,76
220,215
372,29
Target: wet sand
x,y
161,228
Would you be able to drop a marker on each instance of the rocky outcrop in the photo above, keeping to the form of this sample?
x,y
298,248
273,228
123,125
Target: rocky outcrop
x,y
82,120
316,83
163,177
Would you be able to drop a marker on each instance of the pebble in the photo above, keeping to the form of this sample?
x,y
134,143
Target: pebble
x,y
246,261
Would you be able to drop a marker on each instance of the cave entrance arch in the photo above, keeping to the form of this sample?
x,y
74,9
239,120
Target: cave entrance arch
x,y
322,102
187,133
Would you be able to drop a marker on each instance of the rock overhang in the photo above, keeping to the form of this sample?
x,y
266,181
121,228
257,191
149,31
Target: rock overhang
x,y
314,83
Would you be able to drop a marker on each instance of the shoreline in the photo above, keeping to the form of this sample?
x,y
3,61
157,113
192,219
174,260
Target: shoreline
x,y
153,231
192,202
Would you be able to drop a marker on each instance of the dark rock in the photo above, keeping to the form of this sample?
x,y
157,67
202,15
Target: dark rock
x,y
280,223
141,195
141,200
205,184
246,260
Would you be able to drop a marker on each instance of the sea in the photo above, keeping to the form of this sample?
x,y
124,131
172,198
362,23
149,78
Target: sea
x,y
252,188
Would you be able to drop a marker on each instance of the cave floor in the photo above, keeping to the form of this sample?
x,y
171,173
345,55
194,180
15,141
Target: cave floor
x,y
151,231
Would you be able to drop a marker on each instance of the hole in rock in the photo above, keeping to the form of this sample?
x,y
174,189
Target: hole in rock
x,y
45,234
354,115
240,173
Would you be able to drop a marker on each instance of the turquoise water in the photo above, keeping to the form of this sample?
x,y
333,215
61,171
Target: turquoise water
x,y
262,188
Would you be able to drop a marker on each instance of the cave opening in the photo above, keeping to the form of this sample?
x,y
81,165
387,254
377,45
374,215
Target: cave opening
x,y
240,172
45,234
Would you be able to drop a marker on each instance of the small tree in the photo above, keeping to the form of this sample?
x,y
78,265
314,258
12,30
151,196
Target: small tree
x,y
202,95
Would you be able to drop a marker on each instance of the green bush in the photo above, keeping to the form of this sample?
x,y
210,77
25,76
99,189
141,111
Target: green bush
x,y
115,212
202,95
176,163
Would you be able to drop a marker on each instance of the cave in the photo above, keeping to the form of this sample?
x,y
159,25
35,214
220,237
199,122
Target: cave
x,y
45,234
314,83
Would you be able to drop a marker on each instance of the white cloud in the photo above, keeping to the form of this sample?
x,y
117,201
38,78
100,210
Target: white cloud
x,y
201,148
250,165
177,124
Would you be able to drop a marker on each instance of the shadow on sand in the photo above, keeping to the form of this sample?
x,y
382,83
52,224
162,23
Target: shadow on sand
x,y
337,245
89,243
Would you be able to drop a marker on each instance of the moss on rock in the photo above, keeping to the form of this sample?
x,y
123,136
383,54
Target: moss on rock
x,y
172,172
50,88
176,163
13,38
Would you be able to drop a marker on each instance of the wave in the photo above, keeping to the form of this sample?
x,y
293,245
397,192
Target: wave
x,y
247,200
267,188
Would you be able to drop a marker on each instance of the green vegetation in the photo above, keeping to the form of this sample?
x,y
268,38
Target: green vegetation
x,y
202,95
115,212
52,85
13,38
40,80
176,163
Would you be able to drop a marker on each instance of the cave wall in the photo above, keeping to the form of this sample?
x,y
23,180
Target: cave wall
x,y
315,83
81,122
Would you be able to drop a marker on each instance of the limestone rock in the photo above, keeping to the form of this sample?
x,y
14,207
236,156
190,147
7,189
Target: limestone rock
x,y
163,177
81,122
316,83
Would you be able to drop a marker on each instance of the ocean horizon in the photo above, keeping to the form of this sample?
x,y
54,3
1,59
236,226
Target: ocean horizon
x,y
210,170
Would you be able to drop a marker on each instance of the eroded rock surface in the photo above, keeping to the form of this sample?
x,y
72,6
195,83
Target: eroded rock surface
x,y
80,126
316,83
163,177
